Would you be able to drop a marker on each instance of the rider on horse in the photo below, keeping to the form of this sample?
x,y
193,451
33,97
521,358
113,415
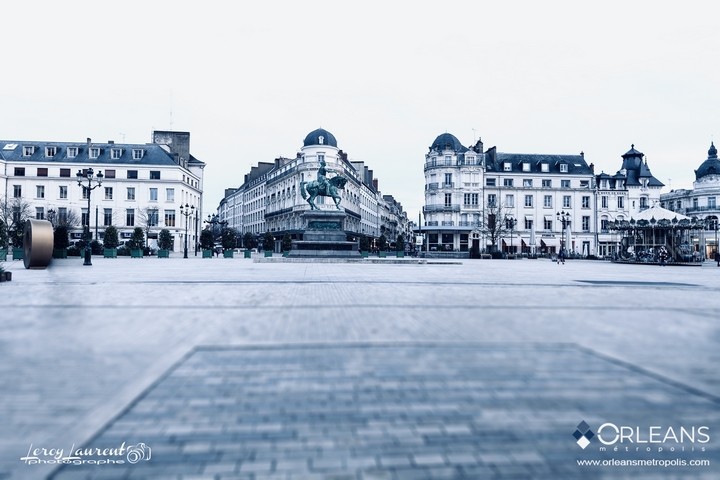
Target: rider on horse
x,y
321,176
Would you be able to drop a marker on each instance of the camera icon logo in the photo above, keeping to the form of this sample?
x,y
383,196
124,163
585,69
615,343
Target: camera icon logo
x,y
138,452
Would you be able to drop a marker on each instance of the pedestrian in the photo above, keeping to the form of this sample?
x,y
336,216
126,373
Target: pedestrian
x,y
717,258
662,255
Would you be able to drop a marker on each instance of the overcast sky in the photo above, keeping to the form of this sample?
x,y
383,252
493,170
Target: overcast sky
x,y
249,80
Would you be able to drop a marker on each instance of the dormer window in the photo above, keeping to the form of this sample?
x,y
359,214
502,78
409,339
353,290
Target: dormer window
x,y
137,153
526,167
507,166
94,152
72,152
28,151
50,151
115,153
321,140
545,167
563,168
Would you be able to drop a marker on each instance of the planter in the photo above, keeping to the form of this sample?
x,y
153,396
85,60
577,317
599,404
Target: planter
x,y
138,253
228,253
248,253
364,254
400,254
382,254
3,254
60,253
268,253
286,253
207,254
163,253
18,253
110,253
7,276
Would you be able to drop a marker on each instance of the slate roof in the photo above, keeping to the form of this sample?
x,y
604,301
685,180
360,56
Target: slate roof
x,y
576,163
153,154
448,141
711,166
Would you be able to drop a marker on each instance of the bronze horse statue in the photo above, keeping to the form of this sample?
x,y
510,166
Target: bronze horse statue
x,y
315,189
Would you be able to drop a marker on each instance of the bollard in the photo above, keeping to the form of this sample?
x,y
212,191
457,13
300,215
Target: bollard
x,y
38,243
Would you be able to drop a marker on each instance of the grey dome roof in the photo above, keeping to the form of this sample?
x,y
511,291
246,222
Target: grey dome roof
x,y
711,166
447,141
320,137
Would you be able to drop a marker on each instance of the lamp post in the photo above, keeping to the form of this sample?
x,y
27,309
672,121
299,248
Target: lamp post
x,y
564,218
510,223
186,212
213,223
90,176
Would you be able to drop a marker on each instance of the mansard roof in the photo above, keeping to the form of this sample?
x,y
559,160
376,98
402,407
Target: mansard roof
x,y
576,164
152,153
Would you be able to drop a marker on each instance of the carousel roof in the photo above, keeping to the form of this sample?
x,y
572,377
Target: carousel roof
x,y
659,213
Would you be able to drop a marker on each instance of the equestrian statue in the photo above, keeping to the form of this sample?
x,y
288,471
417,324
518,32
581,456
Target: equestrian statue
x,y
323,187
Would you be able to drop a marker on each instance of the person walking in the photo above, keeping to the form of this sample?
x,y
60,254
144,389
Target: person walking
x,y
717,258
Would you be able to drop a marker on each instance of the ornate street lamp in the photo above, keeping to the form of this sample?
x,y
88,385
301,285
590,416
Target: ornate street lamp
x,y
510,223
90,176
186,212
564,218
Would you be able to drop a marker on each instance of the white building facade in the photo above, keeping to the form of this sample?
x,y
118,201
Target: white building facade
x,y
143,184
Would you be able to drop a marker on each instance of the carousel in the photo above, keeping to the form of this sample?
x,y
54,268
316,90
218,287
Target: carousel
x,y
655,233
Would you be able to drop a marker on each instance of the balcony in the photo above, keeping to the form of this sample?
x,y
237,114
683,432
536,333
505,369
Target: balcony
x,y
432,186
701,209
441,208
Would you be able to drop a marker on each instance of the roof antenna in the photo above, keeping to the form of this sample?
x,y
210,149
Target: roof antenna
x,y
171,110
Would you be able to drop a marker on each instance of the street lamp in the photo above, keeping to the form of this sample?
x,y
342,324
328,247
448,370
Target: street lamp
x,y
510,223
90,176
564,218
188,211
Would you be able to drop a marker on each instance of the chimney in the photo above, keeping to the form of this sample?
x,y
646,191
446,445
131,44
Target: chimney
x,y
89,142
111,142
375,183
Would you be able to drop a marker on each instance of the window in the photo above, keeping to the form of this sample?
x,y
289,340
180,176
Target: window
x,y
321,157
567,203
130,217
547,201
94,152
604,224
153,195
131,193
72,152
489,182
604,201
584,184
510,201
563,168
137,153
109,173
84,217
471,199
17,191
585,202
170,194
527,183
564,183
528,223
491,199
448,160
169,218
154,174
448,179
42,172
62,215
132,174
19,171
547,183
50,151
28,151
107,217
621,202
152,218
695,202
548,223
526,167
39,191
85,193
508,182
545,167
507,167
586,223
679,204
643,202
528,200
108,193
63,191
115,153
711,202
40,213
65,172
448,199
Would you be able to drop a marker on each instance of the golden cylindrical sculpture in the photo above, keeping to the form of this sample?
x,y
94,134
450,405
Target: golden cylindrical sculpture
x,y
38,243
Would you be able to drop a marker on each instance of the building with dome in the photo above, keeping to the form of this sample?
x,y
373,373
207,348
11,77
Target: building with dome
x,y
270,199
488,201
700,202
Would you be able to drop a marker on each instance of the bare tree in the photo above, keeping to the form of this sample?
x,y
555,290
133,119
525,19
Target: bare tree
x,y
147,219
13,214
70,219
495,224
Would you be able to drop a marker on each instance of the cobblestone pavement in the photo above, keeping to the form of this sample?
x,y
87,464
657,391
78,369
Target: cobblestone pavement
x,y
230,369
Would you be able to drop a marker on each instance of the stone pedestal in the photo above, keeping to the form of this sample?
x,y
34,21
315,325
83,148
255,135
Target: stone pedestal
x,y
324,237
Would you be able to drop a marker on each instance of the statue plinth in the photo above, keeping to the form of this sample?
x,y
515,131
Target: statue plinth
x,y
324,236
